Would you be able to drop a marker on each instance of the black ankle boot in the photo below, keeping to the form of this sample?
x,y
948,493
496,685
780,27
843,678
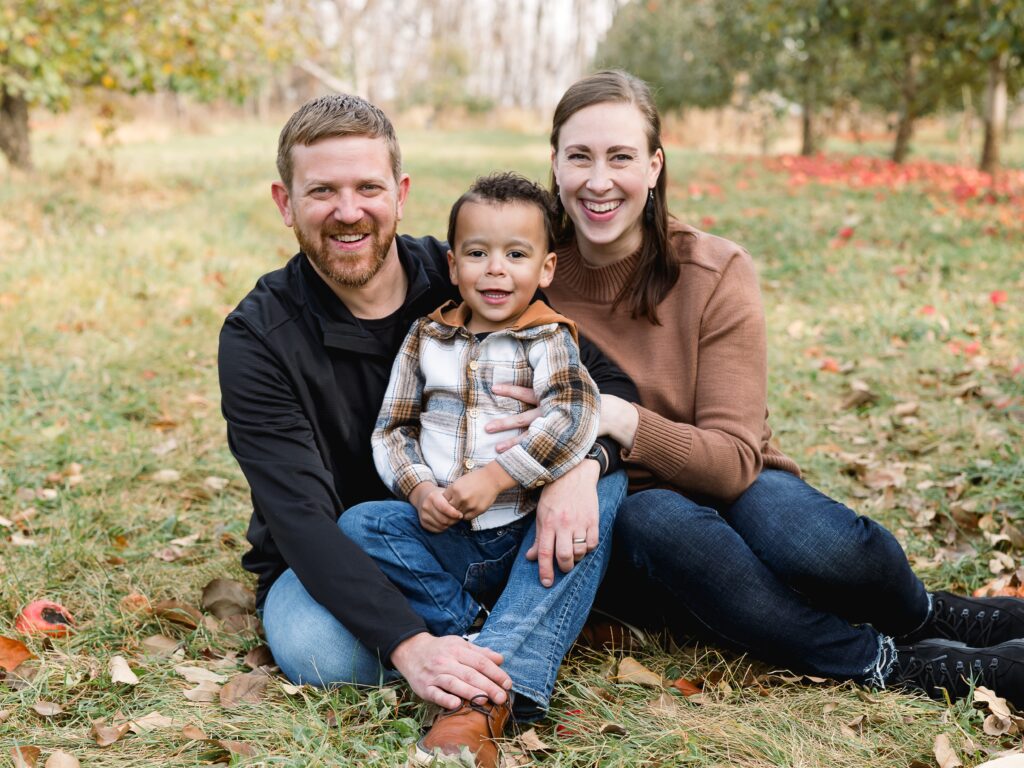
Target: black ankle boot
x,y
934,666
976,621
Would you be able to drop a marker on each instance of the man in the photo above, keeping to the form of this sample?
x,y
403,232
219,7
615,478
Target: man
x,y
304,362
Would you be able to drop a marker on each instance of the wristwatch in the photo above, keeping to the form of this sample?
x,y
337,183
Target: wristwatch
x,y
598,454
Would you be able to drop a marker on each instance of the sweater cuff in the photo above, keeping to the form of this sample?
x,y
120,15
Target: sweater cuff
x,y
660,444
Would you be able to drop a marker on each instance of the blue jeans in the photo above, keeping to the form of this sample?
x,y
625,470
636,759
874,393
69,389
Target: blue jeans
x,y
447,576
783,573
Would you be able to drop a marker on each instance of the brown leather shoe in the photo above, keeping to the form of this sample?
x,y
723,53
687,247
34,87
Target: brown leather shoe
x,y
473,726
603,633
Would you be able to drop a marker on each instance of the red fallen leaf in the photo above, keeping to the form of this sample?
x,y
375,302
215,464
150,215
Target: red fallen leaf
x,y
927,309
686,687
707,222
972,348
845,233
563,731
12,653
998,297
44,617
829,365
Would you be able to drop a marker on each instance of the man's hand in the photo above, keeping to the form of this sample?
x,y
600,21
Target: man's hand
x,y
567,521
435,512
443,670
475,492
518,421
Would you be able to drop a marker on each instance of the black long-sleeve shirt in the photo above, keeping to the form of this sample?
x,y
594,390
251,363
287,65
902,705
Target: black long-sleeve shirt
x,y
302,381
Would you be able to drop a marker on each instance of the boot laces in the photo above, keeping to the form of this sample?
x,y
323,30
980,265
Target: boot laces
x,y
965,622
930,674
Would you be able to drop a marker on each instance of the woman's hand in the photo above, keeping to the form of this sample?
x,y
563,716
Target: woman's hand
x,y
567,521
518,421
619,420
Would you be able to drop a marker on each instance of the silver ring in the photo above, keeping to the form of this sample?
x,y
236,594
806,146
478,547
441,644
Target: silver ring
x,y
580,541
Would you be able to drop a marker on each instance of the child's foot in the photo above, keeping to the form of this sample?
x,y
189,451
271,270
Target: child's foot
x,y
472,727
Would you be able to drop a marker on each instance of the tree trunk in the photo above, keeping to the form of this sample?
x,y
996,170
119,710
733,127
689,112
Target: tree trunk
x,y
14,141
807,144
908,110
995,112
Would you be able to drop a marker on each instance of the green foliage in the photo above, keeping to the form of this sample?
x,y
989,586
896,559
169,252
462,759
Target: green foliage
x,y
677,46
50,47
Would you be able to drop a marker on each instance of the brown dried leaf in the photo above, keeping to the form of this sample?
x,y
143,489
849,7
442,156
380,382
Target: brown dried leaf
x,y
159,645
227,597
247,687
996,704
24,757
178,612
260,656
151,722
1015,760
13,653
136,603
203,693
995,725
199,674
944,754
120,672
880,478
237,747
531,742
166,476
61,759
613,729
193,732
632,671
853,728
47,708
4,714
105,735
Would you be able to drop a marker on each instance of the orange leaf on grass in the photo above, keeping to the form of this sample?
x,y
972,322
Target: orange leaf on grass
x,y
686,687
12,653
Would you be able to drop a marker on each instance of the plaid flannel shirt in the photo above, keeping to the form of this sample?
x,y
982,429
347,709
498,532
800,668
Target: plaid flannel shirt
x,y
440,396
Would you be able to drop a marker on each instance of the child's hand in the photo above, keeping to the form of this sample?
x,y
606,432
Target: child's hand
x,y
475,492
435,512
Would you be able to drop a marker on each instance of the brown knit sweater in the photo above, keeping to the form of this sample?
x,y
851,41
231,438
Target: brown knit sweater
x,y
702,373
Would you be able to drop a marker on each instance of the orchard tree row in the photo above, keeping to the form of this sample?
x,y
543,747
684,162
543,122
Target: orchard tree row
x,y
907,58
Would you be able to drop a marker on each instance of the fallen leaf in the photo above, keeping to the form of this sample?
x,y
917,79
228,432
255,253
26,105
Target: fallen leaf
x,y
853,728
247,687
120,672
260,656
531,742
19,540
203,693
178,612
13,653
215,484
996,725
166,476
944,754
151,722
47,708
237,747
159,645
632,671
227,597
613,729
193,732
4,714
167,446
1007,761
136,603
996,704
291,690
61,759
686,687
170,554
24,757
105,735
199,674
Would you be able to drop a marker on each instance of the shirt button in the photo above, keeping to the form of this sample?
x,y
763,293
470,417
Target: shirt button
x,y
473,365
538,484
472,413
469,463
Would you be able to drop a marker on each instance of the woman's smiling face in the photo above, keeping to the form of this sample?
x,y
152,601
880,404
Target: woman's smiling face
x,y
604,171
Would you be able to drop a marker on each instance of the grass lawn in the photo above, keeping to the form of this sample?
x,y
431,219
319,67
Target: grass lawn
x,y
895,309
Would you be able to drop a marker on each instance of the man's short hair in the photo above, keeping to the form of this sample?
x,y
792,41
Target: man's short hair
x,y
326,117
505,188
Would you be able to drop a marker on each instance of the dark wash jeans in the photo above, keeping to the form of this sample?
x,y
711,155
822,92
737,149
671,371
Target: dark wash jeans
x,y
783,573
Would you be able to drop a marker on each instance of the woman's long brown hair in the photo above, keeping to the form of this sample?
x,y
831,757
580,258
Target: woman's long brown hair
x,y
656,271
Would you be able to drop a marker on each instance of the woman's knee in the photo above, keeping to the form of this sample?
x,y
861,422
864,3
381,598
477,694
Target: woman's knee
x,y
663,521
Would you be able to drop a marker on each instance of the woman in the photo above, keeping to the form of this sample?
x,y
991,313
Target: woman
x,y
720,536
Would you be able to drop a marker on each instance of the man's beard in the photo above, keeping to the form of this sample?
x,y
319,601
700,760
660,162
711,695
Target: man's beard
x,y
351,271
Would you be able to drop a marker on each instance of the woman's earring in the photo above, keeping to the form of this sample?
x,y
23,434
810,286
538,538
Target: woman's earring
x,y
649,208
